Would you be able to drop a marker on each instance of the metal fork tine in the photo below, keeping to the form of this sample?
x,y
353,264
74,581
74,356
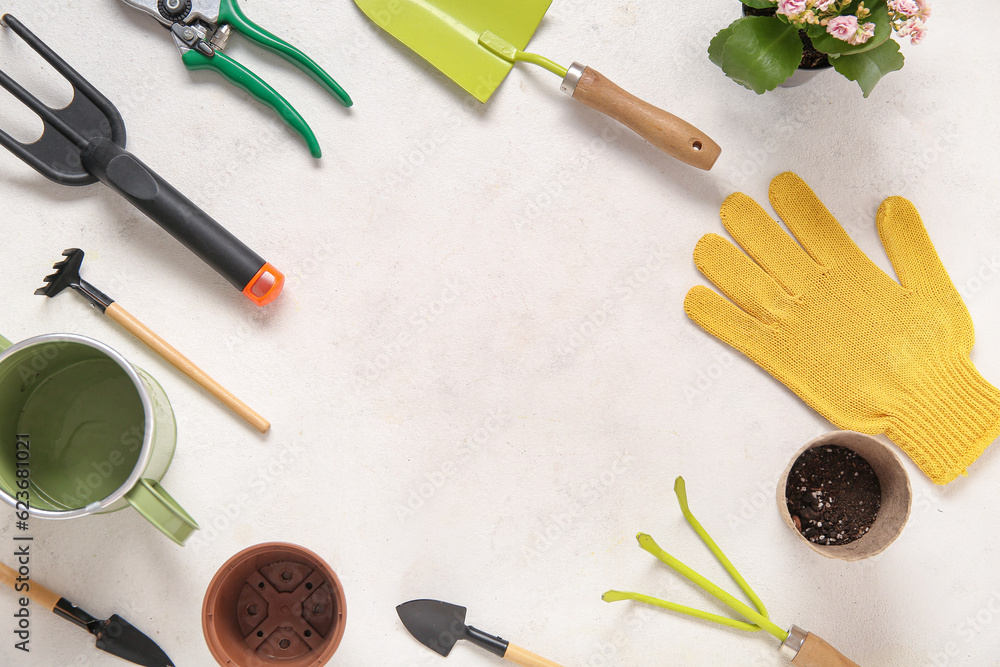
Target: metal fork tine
x,y
44,112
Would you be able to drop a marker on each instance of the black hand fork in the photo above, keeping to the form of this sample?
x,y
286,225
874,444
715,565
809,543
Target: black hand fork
x,y
85,142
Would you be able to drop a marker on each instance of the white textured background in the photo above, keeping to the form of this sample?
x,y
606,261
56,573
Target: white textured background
x,y
497,291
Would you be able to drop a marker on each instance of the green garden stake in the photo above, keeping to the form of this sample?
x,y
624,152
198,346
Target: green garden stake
x,y
803,648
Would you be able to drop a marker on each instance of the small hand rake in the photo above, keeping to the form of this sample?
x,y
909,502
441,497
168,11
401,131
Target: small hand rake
x,y
803,648
68,275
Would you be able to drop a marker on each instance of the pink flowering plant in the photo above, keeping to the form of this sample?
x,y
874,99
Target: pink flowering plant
x,y
760,52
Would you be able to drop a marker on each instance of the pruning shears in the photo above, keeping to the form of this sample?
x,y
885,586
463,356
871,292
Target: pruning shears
x,y
201,30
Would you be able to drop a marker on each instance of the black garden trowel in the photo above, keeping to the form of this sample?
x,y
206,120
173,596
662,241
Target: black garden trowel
x,y
115,635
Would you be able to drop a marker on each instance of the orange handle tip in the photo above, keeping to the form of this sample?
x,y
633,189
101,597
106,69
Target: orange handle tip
x,y
265,286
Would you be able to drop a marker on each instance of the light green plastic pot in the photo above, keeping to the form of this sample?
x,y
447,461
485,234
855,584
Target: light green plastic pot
x,y
82,431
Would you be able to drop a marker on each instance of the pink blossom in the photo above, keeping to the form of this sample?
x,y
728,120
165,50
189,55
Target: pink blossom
x,y
791,7
843,27
915,29
906,7
864,33
823,5
923,9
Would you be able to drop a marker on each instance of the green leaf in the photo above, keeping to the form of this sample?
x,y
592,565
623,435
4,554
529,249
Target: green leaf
x,y
760,52
761,4
717,44
827,43
868,67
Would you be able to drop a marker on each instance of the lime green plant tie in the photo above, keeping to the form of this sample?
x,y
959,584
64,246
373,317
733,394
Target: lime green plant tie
x,y
757,619
501,47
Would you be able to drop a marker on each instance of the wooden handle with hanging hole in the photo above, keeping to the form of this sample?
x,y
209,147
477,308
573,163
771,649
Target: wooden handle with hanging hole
x,y
185,365
817,653
36,592
672,135
521,656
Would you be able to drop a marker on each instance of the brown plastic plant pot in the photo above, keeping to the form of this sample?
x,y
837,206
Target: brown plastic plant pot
x,y
897,496
274,604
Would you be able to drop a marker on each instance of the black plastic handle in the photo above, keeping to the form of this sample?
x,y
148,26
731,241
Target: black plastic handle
x,y
179,216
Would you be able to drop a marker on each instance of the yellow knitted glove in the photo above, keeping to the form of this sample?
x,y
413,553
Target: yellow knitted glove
x,y
865,352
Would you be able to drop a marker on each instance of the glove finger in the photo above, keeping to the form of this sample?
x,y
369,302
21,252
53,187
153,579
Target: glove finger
x,y
740,279
764,240
726,322
813,225
909,248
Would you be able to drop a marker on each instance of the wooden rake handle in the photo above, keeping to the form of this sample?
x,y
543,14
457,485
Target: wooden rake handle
x,y
672,135
521,656
185,365
35,591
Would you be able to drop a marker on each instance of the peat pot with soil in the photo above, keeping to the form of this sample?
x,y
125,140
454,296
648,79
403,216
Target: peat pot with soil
x,y
846,495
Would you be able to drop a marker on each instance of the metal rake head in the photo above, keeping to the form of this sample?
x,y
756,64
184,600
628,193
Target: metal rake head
x,y
67,273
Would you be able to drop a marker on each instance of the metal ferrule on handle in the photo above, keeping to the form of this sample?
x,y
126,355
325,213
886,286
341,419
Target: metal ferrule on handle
x,y
793,644
572,80
182,219
805,649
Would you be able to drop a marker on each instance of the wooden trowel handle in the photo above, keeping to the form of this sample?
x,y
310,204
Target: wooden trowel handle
x,y
817,653
35,591
520,656
670,134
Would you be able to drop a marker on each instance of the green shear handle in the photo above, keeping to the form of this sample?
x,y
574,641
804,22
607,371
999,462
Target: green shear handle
x,y
231,14
201,29
259,89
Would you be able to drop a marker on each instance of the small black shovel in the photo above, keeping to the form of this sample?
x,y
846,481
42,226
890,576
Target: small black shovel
x,y
439,625
115,635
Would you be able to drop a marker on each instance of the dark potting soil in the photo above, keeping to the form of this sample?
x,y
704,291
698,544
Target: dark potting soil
x,y
833,495
811,58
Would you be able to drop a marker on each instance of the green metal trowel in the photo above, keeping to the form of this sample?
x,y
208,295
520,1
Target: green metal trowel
x,y
476,43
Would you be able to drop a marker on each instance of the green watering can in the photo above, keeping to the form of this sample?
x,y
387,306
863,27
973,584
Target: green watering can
x,y
476,43
82,432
